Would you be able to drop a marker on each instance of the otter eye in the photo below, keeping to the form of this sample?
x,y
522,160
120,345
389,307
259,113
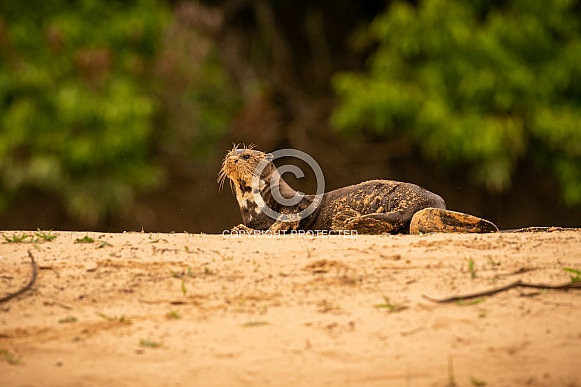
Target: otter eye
x,y
245,156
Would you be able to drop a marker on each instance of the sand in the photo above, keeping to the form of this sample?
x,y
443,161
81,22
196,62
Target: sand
x,y
145,309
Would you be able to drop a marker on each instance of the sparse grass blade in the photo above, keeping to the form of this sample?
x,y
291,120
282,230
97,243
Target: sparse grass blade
x,y
256,323
121,320
451,377
16,238
68,320
149,343
471,267
575,274
470,302
45,235
173,315
9,357
85,239
477,382
184,290
390,306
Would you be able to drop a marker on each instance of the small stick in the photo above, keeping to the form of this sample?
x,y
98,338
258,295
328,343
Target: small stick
x,y
28,285
516,284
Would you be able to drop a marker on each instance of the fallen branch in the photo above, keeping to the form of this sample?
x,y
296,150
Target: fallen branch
x,y
517,284
28,285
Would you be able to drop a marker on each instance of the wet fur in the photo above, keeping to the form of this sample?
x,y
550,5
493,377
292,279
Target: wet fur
x,y
371,207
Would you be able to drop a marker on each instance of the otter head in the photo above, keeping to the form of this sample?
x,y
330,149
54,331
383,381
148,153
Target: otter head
x,y
241,165
260,190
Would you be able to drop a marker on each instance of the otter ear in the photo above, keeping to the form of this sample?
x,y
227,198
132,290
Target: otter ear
x,y
269,157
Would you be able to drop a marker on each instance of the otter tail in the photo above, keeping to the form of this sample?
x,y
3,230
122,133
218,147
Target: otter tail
x,y
431,220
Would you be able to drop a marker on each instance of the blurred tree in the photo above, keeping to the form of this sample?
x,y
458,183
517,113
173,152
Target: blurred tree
x,y
101,100
96,97
75,115
482,84
198,97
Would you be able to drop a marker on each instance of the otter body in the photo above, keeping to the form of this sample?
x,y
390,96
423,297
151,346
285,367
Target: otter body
x,y
371,207
374,206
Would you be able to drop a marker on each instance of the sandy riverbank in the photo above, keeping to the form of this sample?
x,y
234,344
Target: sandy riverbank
x,y
191,310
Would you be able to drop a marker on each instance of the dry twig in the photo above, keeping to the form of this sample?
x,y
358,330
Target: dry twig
x,y
516,284
28,285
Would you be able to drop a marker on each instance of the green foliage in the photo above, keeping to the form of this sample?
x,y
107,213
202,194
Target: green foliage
x,y
97,97
75,112
474,84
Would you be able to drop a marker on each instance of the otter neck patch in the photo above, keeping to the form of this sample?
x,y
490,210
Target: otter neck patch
x,y
245,197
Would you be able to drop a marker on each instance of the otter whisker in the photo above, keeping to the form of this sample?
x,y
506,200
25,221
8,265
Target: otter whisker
x,y
222,175
221,178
